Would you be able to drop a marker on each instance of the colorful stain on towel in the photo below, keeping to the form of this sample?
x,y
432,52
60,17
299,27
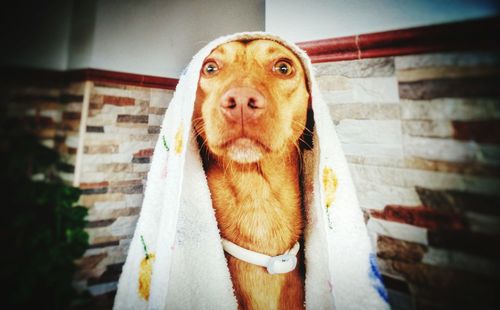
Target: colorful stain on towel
x,y
165,144
164,170
376,278
145,271
330,183
179,140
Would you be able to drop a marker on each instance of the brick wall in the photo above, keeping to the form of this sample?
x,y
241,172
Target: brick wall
x,y
108,159
122,127
51,110
421,134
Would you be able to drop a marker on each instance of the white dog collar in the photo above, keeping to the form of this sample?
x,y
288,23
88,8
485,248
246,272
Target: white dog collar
x,y
283,263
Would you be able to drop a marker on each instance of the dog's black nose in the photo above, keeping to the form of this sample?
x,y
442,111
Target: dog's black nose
x,y
243,104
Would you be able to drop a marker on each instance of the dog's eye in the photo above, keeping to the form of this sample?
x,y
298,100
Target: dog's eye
x,y
210,68
283,67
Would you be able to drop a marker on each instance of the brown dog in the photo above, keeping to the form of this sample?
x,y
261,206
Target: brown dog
x,y
250,112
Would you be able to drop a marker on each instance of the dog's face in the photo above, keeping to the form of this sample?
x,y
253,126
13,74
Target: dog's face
x,y
252,100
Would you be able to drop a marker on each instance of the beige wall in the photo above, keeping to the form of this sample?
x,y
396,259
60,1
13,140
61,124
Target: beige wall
x,y
151,37
159,37
303,20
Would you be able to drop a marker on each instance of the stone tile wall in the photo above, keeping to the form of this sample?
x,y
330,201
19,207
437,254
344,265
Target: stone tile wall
x,y
422,137
122,127
51,110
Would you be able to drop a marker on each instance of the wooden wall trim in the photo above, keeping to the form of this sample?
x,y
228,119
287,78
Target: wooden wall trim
x,y
47,76
467,35
106,76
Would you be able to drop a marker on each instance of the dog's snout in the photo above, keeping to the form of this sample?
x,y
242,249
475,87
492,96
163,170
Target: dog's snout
x,y
243,104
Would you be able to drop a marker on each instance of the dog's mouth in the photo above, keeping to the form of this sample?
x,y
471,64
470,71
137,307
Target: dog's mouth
x,y
245,150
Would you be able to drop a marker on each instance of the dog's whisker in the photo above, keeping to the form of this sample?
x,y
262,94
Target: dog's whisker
x,y
301,127
299,153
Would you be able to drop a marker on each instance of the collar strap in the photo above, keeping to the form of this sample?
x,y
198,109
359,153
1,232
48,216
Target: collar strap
x,y
283,263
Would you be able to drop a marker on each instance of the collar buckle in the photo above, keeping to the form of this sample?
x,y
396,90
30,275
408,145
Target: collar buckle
x,y
281,264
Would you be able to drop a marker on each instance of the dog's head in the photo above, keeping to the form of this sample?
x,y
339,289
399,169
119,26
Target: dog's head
x,y
252,101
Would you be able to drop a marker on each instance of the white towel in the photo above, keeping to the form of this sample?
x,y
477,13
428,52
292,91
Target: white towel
x,y
177,243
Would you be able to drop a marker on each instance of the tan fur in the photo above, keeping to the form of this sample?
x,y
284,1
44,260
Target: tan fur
x,y
258,205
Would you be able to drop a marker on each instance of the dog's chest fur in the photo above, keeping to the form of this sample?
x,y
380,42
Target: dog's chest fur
x,y
260,209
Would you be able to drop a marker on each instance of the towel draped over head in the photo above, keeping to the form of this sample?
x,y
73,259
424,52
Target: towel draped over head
x,y
176,259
